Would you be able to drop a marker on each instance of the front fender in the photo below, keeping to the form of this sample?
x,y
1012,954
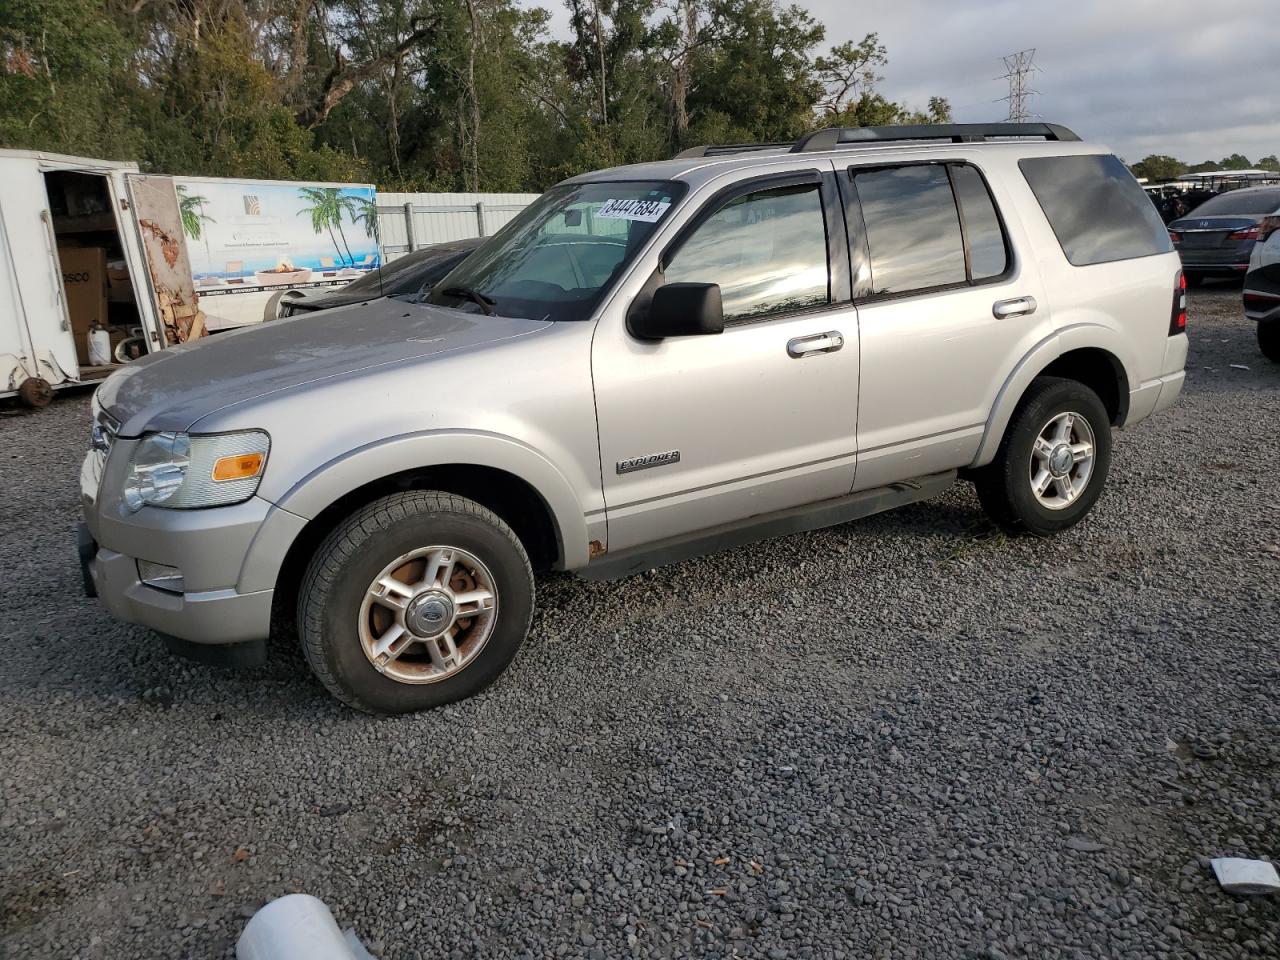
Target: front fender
x,y
1074,337
352,470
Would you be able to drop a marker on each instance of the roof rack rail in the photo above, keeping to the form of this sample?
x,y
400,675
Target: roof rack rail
x,y
834,138
718,150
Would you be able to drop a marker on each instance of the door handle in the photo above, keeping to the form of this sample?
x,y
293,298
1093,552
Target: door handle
x,y
828,342
1017,307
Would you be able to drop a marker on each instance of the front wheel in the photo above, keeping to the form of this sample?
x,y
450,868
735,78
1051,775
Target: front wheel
x,y
1269,339
414,601
1052,462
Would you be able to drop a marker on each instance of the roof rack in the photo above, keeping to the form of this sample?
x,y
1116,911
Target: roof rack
x,y
838,137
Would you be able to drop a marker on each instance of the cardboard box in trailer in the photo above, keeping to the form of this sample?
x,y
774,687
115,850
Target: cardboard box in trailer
x,y
250,240
87,248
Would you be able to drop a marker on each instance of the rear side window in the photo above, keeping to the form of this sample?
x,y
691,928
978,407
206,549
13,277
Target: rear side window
x,y
913,229
1097,210
988,256
929,226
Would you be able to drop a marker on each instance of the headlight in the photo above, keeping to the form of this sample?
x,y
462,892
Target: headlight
x,y
181,471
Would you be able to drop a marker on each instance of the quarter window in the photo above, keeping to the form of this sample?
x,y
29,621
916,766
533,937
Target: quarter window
x,y
767,250
1097,210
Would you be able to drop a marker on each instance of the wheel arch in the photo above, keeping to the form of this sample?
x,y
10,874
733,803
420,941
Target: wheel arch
x,y
509,478
1089,354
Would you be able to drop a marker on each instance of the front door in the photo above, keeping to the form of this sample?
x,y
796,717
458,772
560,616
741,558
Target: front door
x,y
699,431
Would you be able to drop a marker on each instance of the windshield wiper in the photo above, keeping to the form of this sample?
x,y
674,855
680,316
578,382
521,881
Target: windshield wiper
x,y
475,296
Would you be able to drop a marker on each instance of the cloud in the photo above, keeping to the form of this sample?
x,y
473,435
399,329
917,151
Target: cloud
x,y
1191,78
1182,77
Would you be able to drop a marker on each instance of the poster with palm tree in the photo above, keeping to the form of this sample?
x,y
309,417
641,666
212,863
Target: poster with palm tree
x,y
327,206
364,210
255,234
191,208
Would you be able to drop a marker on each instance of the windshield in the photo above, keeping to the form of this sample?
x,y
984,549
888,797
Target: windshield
x,y
556,260
1255,203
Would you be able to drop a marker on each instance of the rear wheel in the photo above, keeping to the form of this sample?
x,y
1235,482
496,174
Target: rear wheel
x,y
414,601
1052,462
1269,339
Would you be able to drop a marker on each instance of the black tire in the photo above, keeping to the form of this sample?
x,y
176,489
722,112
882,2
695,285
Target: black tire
x,y
352,557
1269,339
1004,486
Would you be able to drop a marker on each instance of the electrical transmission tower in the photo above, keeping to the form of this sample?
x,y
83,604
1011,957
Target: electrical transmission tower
x,y
1019,66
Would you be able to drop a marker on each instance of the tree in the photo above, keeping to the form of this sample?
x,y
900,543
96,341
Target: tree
x,y
1269,163
1158,166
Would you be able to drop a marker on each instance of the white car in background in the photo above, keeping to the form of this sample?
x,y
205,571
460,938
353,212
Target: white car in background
x,y
1262,287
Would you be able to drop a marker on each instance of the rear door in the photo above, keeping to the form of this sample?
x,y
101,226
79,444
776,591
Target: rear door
x,y
946,309
33,276
159,229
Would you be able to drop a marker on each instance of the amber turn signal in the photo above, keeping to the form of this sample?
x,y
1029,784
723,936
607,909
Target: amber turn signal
x,y
240,467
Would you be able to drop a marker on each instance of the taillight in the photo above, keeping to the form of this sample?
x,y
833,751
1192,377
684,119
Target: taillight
x,y
1178,318
1175,237
1250,233
1267,227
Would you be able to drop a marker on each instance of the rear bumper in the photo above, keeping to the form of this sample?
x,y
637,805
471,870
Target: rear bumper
x,y
1154,396
1217,269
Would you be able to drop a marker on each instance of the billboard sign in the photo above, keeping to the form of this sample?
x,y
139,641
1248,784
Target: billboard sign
x,y
259,235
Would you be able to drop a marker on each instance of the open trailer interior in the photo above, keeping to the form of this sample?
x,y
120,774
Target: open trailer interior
x,y
93,271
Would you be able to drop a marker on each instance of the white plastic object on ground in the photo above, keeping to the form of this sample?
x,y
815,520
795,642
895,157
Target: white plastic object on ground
x,y
297,927
1237,875
99,346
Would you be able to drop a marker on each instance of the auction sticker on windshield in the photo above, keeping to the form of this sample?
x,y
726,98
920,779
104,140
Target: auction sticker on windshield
x,y
650,211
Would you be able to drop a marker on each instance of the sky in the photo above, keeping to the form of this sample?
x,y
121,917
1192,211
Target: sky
x,y
1196,79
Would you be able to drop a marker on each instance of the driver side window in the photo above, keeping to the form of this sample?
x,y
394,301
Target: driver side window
x,y
767,250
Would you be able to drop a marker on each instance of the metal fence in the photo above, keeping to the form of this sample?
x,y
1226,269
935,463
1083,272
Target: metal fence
x,y
407,221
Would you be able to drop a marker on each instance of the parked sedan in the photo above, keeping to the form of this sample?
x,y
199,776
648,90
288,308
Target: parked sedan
x,y
415,272
1218,236
1262,288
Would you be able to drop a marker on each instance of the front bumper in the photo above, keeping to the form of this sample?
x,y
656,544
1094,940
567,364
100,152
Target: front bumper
x,y
229,556
204,617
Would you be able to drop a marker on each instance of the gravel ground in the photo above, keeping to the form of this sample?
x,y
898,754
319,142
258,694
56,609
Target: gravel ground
x,y
904,737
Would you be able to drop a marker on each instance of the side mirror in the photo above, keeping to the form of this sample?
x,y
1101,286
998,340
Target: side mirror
x,y
680,310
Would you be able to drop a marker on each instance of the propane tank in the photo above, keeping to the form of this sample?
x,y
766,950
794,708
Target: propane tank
x,y
99,346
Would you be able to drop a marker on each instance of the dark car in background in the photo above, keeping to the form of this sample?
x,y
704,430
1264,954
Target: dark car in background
x,y
415,272
1262,288
1217,237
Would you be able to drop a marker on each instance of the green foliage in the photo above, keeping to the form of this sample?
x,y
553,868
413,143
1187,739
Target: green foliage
x,y
1158,167
420,94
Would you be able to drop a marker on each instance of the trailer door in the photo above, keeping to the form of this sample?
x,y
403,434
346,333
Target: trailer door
x,y
158,221
32,280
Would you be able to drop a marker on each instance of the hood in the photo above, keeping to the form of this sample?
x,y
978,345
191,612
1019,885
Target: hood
x,y
173,388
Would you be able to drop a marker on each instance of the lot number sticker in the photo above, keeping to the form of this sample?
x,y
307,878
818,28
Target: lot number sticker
x,y
650,211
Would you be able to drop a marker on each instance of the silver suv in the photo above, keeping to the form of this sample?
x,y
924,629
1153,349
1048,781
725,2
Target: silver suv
x,y
649,363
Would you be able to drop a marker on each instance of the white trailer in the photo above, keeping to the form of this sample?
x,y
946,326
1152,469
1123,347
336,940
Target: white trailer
x,y
86,246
